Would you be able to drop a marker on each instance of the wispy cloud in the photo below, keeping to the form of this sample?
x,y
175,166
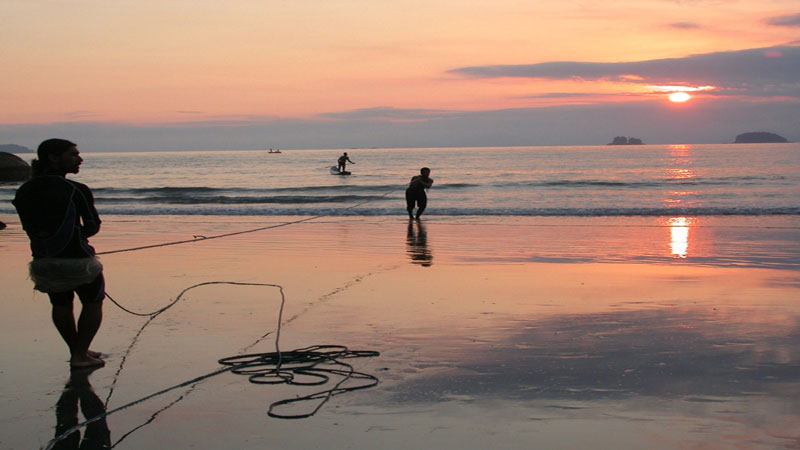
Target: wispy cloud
x,y
761,71
789,20
563,95
684,25
388,114
80,114
234,119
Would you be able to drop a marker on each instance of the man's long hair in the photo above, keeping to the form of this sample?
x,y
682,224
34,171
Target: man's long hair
x,y
47,148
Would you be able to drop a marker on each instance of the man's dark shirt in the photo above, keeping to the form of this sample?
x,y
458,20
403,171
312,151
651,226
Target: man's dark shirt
x,y
58,215
418,185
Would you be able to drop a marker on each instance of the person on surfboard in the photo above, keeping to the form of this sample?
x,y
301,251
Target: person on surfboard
x,y
343,160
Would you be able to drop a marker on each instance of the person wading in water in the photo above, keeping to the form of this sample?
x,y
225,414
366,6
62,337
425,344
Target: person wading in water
x,y
415,193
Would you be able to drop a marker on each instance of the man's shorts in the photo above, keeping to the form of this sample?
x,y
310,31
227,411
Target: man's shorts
x,y
93,292
420,199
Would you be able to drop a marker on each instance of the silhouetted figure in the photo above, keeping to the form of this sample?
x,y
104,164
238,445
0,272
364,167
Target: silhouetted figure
x,y
2,225
59,215
78,392
417,243
415,193
343,160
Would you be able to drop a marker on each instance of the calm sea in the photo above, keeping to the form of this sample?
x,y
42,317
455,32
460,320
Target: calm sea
x,y
676,180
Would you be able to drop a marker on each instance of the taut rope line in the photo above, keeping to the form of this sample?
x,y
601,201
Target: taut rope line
x,y
235,233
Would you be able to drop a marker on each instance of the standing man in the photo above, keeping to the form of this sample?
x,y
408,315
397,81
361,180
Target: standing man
x,y
415,193
343,160
59,215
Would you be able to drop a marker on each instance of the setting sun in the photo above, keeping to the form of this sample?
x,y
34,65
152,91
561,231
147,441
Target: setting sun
x,y
679,97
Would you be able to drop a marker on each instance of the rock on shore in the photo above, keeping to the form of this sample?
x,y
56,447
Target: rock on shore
x,y
13,168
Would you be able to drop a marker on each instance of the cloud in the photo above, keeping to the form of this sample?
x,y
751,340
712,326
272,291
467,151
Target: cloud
x,y
684,25
80,114
563,95
746,72
389,114
789,20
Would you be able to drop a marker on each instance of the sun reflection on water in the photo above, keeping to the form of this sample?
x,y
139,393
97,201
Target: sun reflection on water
x,y
679,236
680,174
681,171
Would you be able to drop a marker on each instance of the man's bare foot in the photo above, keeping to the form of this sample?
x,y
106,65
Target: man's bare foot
x,y
94,354
85,361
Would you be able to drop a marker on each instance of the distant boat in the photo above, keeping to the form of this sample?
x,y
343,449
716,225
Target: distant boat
x,y
274,151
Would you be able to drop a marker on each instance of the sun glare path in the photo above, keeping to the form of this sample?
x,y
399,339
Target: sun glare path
x,y
679,236
679,97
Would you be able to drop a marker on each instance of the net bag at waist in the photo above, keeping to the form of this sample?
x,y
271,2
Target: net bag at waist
x,y
63,274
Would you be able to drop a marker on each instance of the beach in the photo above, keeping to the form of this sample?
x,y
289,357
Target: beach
x,y
492,332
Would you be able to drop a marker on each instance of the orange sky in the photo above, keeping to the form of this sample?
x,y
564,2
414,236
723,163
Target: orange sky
x,y
134,61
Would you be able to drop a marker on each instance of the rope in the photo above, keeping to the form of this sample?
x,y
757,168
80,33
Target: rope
x,y
305,369
197,238
266,368
261,368
153,416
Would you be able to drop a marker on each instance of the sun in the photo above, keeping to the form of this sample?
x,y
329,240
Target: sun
x,y
679,97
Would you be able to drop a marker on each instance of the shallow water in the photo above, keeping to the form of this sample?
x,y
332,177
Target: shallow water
x,y
617,181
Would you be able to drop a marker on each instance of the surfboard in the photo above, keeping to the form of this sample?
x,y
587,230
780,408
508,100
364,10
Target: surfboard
x,y
335,171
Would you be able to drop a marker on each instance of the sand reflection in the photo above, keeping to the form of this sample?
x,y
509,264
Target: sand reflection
x,y
417,244
696,355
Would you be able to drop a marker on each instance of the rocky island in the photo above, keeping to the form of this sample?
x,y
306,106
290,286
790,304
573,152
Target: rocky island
x,y
759,137
622,140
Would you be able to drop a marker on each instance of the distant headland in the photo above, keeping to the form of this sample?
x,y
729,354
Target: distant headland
x,y
14,148
622,140
759,137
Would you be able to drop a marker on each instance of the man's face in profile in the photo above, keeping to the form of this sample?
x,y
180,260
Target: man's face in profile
x,y
68,162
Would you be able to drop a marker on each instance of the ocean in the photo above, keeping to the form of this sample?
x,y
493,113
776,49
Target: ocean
x,y
619,181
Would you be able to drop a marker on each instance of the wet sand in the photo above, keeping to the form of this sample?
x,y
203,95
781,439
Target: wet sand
x,y
504,333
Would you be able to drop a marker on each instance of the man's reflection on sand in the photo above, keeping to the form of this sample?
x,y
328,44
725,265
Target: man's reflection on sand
x,y
417,244
77,392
